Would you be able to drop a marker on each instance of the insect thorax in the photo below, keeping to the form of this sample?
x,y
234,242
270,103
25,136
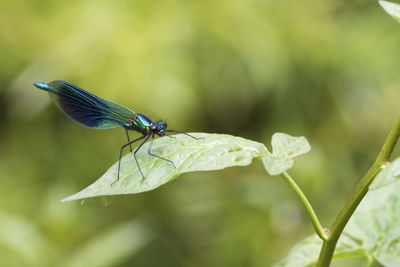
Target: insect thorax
x,y
140,123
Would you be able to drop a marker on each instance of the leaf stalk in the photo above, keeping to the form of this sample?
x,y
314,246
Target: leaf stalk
x,y
313,216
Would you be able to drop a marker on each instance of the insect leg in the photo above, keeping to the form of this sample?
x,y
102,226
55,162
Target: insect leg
x,y
149,151
127,135
120,156
136,150
175,131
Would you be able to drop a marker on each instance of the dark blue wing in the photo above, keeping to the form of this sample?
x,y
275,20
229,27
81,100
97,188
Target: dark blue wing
x,y
86,108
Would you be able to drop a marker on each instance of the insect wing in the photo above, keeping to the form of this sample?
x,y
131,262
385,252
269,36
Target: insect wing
x,y
87,109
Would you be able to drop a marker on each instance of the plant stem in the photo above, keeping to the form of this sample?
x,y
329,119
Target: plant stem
x,y
369,260
355,198
306,203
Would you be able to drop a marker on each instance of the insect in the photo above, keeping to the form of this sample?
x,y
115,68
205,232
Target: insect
x,y
94,112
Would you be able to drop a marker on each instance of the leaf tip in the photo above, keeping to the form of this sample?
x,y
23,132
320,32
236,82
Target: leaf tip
x,y
65,200
391,8
70,198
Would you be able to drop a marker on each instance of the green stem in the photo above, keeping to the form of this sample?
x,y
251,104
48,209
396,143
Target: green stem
x,y
306,203
369,260
329,245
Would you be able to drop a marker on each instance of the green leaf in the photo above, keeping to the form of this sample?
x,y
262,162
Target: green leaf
x,y
376,224
373,231
392,9
213,152
303,253
284,149
306,252
388,175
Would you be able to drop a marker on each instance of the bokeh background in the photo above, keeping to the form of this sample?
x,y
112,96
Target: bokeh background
x,y
326,70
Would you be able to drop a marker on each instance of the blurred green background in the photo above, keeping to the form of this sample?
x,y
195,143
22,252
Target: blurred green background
x,y
327,70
